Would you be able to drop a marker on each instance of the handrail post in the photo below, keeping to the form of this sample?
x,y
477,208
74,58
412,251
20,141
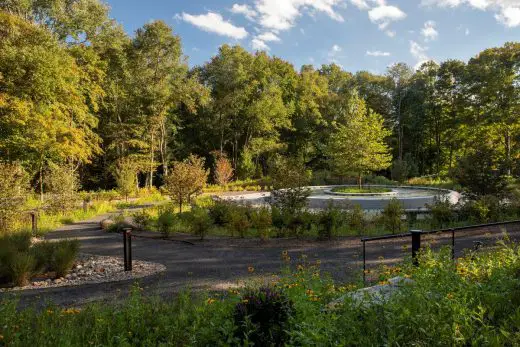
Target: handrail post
x,y
416,245
34,222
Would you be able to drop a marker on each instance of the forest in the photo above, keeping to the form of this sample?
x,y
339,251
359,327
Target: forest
x,y
77,92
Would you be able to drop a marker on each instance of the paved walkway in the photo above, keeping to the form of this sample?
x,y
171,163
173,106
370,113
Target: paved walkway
x,y
218,263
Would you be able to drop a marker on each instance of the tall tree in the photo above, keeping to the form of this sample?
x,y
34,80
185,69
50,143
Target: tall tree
x,y
358,147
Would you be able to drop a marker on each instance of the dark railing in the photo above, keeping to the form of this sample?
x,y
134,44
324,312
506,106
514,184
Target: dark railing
x,y
416,239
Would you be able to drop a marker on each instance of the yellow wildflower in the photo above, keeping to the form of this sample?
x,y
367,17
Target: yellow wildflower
x,y
250,269
210,301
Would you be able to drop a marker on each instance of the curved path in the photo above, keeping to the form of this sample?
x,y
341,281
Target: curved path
x,y
216,264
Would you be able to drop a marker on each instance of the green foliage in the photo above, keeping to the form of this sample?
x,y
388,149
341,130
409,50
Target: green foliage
x,y
13,194
166,220
125,174
359,145
330,220
356,219
484,209
391,217
262,221
61,186
19,260
482,172
290,179
442,212
200,221
223,170
186,180
476,301
263,317
238,220
364,190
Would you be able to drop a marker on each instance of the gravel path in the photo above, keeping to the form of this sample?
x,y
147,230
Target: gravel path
x,y
222,263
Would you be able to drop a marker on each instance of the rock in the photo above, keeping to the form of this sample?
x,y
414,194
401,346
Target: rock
x,y
79,266
58,280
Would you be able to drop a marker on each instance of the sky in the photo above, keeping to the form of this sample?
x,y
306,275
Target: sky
x,y
355,34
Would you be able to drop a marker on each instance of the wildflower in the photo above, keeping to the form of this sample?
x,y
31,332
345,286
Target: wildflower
x,y
50,311
381,257
318,262
316,274
210,301
250,269
309,292
284,253
245,301
71,311
382,283
300,267
450,296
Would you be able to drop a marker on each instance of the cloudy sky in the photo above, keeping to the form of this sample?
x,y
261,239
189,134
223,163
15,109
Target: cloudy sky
x,y
355,34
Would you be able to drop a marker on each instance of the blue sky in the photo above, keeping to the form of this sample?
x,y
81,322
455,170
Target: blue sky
x,y
355,34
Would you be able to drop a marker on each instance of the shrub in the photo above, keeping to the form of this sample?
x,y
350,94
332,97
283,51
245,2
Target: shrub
x,y
238,220
142,219
118,225
330,220
391,216
166,221
263,317
483,209
262,221
201,222
21,268
356,219
65,253
290,178
219,212
442,212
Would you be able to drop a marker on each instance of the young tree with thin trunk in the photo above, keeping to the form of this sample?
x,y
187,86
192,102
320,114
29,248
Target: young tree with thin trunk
x,y
359,146
186,180
223,170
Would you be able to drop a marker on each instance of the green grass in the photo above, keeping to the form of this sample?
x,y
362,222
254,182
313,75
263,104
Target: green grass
x,y
474,302
364,190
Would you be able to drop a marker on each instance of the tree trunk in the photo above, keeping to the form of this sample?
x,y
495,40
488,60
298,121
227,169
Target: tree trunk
x,y
180,205
359,181
41,181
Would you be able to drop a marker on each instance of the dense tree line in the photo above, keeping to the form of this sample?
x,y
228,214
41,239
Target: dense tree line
x,y
77,91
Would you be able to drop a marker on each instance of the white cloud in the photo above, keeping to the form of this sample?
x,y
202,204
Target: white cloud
x,y
245,10
336,48
419,53
259,45
361,4
383,15
282,14
507,12
509,16
378,54
390,33
268,37
214,23
466,32
429,32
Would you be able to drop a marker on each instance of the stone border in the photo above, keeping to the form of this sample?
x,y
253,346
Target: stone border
x,y
92,269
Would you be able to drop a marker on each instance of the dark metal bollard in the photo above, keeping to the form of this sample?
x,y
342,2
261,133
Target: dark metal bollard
x,y
127,248
453,244
364,263
416,245
34,222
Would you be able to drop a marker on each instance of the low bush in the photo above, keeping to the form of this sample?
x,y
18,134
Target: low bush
x,y
356,219
391,217
442,213
166,220
263,317
201,222
238,220
330,220
19,260
261,220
